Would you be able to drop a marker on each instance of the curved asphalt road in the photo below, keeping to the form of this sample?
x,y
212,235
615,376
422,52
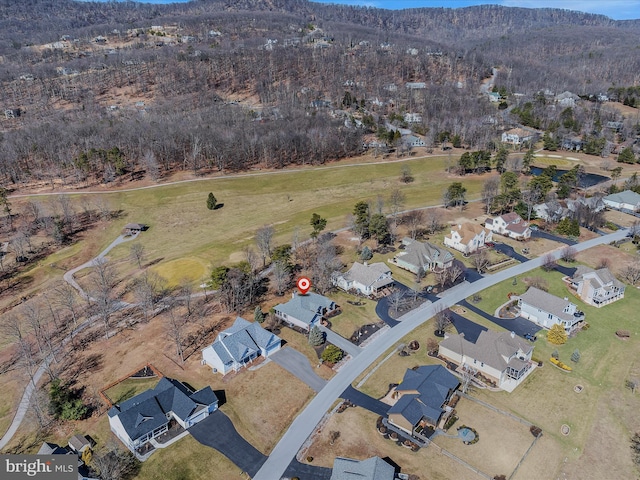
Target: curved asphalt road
x,y
305,423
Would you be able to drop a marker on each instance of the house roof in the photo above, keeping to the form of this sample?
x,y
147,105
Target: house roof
x,y
373,468
240,340
79,442
305,307
48,448
599,278
628,196
520,132
148,410
369,274
491,348
421,253
135,226
547,302
468,231
432,385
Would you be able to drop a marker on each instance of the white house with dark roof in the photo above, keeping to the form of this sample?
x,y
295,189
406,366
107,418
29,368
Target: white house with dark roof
x,y
374,468
422,398
546,310
238,346
503,358
423,256
510,225
627,200
468,237
305,311
597,287
366,279
517,136
147,415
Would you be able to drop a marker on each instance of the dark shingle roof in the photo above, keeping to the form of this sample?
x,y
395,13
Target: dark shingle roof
x,y
373,468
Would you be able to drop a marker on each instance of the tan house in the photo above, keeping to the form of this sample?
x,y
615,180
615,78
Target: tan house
x,y
468,237
517,136
597,287
503,358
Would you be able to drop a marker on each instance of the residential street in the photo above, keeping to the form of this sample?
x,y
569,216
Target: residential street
x,y
305,423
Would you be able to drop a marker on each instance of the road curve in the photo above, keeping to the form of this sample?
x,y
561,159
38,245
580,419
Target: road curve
x,y
305,423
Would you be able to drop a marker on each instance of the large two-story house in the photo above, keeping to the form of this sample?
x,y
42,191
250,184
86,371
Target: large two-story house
x,y
305,311
503,358
597,287
147,415
238,346
422,256
374,468
422,398
546,310
366,279
468,237
510,225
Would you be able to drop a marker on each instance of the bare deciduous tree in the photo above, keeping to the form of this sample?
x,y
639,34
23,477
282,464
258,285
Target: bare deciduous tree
x,y
396,203
175,329
549,262
490,190
413,220
396,300
480,260
137,253
264,237
568,254
631,273
103,279
433,220
281,277
442,318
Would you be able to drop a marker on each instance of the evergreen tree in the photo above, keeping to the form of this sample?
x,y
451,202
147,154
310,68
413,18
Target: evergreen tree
x,y
258,316
575,356
318,224
627,156
366,254
332,354
361,219
211,202
379,229
316,337
527,160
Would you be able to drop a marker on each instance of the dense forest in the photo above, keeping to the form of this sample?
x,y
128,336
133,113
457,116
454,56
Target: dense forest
x,y
92,93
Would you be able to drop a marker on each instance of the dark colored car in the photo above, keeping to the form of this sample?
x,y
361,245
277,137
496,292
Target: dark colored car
x,y
530,337
490,244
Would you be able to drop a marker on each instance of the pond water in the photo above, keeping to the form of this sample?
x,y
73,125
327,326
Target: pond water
x,y
587,180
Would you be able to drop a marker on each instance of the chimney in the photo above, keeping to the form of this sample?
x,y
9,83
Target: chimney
x,y
366,264
566,299
459,226
513,334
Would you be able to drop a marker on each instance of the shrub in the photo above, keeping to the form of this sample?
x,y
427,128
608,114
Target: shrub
x,y
555,354
557,335
575,356
332,354
309,459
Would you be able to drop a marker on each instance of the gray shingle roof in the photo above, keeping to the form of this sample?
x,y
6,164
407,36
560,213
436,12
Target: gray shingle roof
x,y
305,307
420,254
368,275
242,339
373,468
628,196
547,302
147,411
491,348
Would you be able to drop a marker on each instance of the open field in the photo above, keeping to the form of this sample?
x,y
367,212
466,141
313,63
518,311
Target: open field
x,y
130,387
352,317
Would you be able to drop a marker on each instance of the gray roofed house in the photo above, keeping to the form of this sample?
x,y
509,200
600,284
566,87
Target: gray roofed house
x,y
373,468
366,279
239,345
503,358
423,256
83,471
48,448
510,225
79,443
133,228
597,287
144,417
546,310
627,200
423,395
305,311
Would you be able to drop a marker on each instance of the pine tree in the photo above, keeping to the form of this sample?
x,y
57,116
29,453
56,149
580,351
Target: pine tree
x,y
575,356
258,316
211,202
366,254
332,354
316,337
557,335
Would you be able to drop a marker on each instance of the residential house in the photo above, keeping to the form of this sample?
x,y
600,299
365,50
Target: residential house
x,y
627,200
546,310
133,228
567,99
422,400
593,204
79,444
494,97
82,471
147,415
366,279
422,257
510,225
238,346
517,136
412,141
615,126
372,141
305,311
572,143
412,117
503,358
12,113
412,51
468,237
551,211
415,85
392,87
597,287
373,468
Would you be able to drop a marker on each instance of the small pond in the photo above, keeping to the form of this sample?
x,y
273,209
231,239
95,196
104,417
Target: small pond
x,y
587,180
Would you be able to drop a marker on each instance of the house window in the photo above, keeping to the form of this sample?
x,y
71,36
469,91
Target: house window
x,y
550,317
482,364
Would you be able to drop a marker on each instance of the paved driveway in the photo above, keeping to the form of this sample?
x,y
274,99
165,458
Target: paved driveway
x,y
307,472
217,431
549,236
518,325
470,328
298,365
365,401
340,342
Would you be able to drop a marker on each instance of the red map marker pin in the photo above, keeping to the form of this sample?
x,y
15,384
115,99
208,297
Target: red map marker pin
x,y
304,284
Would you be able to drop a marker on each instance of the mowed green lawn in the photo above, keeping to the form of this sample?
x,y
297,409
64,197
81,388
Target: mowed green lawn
x,y
181,226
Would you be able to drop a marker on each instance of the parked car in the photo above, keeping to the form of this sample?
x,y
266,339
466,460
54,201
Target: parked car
x,y
534,227
490,244
530,337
